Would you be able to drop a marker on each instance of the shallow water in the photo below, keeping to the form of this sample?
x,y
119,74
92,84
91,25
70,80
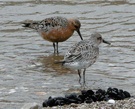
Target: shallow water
x,y
27,69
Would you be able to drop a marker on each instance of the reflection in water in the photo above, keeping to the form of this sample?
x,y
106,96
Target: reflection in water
x,y
49,65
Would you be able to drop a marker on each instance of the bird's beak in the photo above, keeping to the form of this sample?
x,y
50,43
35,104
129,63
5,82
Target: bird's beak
x,y
104,41
78,31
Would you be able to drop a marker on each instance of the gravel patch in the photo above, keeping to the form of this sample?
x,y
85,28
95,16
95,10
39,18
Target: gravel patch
x,y
119,104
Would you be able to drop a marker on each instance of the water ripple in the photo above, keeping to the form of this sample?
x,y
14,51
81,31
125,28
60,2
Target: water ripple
x,y
27,69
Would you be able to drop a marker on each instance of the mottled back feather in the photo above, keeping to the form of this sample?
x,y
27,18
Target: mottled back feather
x,y
50,23
84,50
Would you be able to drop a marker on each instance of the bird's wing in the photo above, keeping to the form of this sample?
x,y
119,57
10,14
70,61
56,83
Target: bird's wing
x,y
81,51
53,22
47,24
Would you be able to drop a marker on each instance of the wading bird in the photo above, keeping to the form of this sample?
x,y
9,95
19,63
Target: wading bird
x,y
56,29
83,54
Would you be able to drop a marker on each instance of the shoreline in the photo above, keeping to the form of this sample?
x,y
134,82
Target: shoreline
x,y
119,104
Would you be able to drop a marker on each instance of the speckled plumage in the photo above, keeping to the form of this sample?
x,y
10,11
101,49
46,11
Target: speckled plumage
x,y
56,29
48,24
83,54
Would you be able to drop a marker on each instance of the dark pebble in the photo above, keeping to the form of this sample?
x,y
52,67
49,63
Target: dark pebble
x,y
109,90
90,92
94,98
100,91
106,98
87,96
71,96
45,104
89,100
59,102
113,94
127,94
115,89
84,93
82,98
50,102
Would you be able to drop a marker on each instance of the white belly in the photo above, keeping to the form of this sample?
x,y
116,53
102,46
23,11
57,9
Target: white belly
x,y
78,65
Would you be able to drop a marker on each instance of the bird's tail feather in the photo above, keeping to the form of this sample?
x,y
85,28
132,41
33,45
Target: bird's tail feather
x,y
33,25
26,24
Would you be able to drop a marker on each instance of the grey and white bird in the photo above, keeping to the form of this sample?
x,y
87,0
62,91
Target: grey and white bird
x,y
83,54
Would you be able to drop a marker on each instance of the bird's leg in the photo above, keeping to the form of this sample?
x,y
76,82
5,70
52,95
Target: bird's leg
x,y
84,76
54,46
57,47
79,73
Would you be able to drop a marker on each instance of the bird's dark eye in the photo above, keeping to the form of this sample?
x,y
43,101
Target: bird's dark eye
x,y
99,38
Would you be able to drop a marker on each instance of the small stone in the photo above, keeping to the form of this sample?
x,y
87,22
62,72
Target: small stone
x,y
81,97
113,94
84,92
106,98
94,98
109,89
90,92
120,91
115,89
59,102
111,101
51,102
71,96
45,104
127,94
89,101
